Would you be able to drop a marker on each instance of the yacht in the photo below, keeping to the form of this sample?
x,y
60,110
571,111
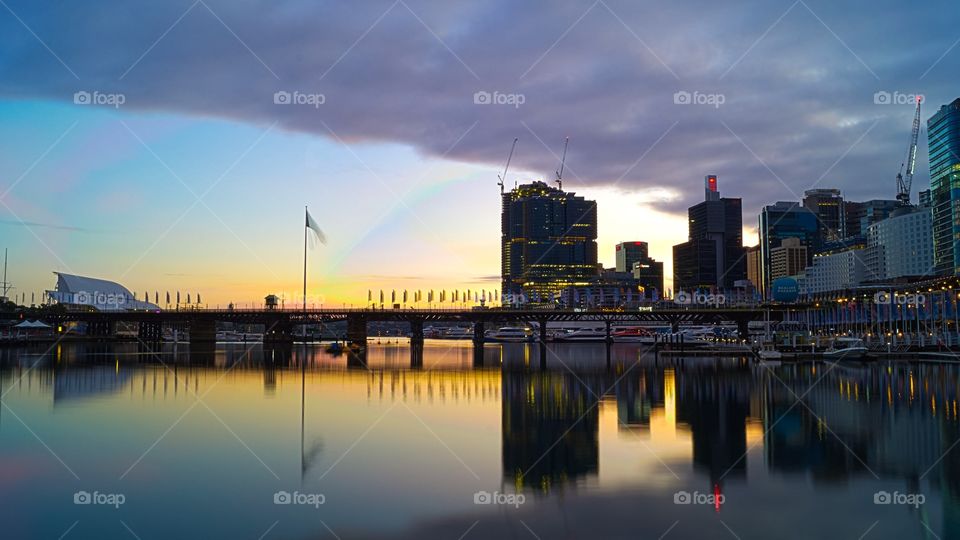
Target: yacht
x,y
596,333
846,348
509,333
457,332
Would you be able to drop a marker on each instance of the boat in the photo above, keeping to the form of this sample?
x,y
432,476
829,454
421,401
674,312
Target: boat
x,y
688,338
768,353
509,334
846,348
634,334
583,334
457,332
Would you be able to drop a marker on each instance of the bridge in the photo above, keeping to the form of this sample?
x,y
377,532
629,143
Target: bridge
x,y
281,324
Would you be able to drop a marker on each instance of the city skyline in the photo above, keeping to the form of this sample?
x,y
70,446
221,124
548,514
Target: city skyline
x,y
110,189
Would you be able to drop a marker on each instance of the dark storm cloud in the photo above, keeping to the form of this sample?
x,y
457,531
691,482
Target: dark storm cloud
x,y
797,80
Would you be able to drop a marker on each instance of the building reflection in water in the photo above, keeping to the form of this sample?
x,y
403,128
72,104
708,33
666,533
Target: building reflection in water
x,y
894,422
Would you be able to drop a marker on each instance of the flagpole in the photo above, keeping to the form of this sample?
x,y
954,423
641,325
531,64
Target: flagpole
x,y
305,214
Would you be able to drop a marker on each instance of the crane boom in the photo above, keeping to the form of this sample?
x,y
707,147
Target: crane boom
x,y
563,160
507,166
905,181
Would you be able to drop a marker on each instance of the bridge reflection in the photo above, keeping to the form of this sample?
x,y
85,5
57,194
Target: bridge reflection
x,y
898,422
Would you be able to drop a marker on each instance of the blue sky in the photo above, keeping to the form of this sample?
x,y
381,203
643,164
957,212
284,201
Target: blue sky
x,y
399,162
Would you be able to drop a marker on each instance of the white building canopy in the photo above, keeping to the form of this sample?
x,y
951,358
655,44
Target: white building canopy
x,y
100,294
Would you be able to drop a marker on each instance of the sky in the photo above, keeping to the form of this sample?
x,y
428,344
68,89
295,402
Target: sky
x,y
173,145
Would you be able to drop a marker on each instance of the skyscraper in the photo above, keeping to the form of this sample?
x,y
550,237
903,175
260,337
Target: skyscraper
x,y
828,205
629,253
859,216
713,255
943,136
548,241
785,219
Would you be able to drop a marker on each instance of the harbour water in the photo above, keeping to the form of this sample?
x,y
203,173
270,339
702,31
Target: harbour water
x,y
115,441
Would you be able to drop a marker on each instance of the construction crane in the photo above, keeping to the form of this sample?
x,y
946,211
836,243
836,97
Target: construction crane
x,y
507,166
562,161
905,181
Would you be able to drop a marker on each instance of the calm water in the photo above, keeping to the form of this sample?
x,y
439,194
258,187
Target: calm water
x,y
589,445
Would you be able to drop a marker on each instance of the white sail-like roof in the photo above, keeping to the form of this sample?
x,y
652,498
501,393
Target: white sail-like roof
x,y
97,293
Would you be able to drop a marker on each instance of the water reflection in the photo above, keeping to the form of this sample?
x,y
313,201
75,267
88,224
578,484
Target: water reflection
x,y
584,429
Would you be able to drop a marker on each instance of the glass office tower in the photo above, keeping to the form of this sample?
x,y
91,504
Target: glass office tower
x,y
548,241
943,136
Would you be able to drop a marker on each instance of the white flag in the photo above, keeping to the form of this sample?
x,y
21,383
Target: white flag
x,y
315,228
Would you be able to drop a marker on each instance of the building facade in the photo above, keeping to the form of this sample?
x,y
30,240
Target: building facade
x,y
548,241
785,219
753,266
649,275
788,259
835,271
827,204
713,255
860,215
943,137
629,253
902,245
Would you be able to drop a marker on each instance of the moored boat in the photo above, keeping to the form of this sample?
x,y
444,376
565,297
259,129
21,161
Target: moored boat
x,y
846,348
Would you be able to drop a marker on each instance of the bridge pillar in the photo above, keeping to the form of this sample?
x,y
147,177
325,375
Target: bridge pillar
x,y
279,331
743,329
149,332
543,331
357,329
203,331
101,328
416,354
478,355
416,332
478,333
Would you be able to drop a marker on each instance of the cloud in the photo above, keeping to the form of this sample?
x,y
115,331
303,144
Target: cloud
x,y
14,223
797,88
